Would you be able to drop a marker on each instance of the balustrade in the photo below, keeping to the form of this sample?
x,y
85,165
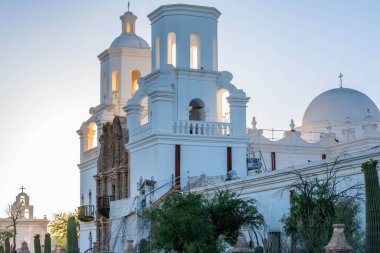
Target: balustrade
x,y
202,128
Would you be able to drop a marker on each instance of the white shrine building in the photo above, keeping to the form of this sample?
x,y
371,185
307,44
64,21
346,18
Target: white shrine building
x,y
169,119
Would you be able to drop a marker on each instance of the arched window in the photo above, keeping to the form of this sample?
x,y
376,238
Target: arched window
x,y
26,213
197,111
128,27
115,84
104,84
22,200
195,43
172,47
92,136
144,113
223,106
135,76
157,52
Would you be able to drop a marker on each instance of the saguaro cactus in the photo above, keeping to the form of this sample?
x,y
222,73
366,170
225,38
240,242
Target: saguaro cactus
x,y
372,206
47,248
72,236
259,249
7,245
37,244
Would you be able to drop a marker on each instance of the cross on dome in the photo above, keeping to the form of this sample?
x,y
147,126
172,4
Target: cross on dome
x,y
22,188
341,79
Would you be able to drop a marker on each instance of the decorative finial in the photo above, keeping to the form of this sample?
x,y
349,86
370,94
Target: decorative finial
x,y
292,125
128,5
22,188
341,79
254,122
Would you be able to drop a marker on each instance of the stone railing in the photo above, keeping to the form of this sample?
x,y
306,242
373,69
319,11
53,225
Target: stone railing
x,y
202,128
140,132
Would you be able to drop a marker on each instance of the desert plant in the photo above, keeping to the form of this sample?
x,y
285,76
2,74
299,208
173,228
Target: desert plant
x,y
144,246
7,245
372,206
72,236
259,249
37,244
47,248
318,202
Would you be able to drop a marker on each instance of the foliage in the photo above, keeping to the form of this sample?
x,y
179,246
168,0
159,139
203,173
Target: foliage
x,y
5,233
144,246
37,244
192,223
317,204
14,213
58,227
1,249
229,213
7,245
72,235
47,242
258,249
372,206
181,223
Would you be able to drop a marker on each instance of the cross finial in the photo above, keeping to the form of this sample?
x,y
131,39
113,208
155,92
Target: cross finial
x,y
128,5
341,79
22,188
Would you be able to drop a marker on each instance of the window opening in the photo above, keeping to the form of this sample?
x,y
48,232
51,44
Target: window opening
x,y
135,77
115,84
172,47
194,51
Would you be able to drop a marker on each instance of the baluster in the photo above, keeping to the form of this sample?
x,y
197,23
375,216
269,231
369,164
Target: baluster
x,y
180,128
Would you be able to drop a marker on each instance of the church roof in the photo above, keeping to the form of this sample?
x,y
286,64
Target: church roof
x,y
341,104
129,40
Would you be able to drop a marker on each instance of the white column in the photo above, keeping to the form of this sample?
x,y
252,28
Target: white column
x,y
238,105
162,111
133,112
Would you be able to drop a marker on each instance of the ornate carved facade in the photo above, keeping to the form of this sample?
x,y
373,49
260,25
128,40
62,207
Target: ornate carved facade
x,y
112,179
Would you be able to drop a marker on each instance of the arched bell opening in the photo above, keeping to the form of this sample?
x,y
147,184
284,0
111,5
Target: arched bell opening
x,y
197,111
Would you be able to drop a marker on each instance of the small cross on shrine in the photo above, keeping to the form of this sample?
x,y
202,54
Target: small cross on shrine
x,y
22,188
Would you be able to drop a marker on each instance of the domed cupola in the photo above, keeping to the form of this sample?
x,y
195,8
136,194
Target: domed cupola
x,y
128,37
338,105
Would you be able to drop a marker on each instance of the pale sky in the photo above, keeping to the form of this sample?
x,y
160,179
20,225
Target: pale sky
x,y
282,53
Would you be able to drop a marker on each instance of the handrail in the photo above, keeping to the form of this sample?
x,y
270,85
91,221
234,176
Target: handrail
x,y
88,250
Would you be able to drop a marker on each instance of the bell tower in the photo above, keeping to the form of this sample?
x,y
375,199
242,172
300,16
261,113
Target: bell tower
x,y
183,39
127,59
121,65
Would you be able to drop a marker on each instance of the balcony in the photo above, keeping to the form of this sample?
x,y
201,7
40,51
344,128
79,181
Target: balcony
x,y
86,213
202,128
103,205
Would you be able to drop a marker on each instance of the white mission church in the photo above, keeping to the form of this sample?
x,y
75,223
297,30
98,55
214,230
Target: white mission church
x,y
169,119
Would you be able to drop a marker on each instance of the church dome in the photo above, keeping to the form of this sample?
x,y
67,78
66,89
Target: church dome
x,y
129,40
338,105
